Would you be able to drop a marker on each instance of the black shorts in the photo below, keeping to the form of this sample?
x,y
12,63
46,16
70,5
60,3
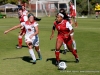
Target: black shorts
x,y
97,10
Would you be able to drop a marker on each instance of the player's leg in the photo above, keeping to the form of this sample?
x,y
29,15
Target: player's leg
x,y
30,47
70,47
59,43
22,33
35,43
31,51
38,52
75,21
19,42
73,41
96,12
65,48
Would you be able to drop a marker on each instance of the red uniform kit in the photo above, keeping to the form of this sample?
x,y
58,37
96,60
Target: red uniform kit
x,y
62,30
72,11
22,18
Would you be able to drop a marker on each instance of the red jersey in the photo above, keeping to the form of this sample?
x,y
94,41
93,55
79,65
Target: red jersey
x,y
23,18
63,29
72,11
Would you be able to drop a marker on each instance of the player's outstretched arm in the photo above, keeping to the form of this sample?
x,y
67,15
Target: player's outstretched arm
x,y
13,28
52,34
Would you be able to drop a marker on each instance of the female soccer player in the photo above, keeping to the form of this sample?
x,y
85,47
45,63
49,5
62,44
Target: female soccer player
x,y
97,9
73,12
22,18
64,29
31,35
66,17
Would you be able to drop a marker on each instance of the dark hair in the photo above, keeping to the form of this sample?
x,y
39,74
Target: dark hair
x,y
62,10
30,14
35,18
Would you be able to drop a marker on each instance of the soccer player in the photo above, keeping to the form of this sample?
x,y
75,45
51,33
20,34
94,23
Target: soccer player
x,y
66,17
64,29
73,12
22,18
31,35
25,12
97,10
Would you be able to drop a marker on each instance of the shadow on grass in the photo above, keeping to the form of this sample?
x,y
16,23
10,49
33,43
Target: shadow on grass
x,y
53,60
61,51
22,45
24,58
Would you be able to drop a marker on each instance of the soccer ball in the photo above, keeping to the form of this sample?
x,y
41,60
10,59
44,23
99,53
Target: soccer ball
x,y
62,66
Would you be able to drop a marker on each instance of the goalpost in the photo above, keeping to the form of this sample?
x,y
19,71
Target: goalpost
x,y
46,8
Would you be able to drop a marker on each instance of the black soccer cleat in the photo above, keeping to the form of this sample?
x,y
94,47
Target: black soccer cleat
x,y
65,51
57,63
77,60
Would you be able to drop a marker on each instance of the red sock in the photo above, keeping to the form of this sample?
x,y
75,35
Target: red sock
x,y
20,41
75,54
57,55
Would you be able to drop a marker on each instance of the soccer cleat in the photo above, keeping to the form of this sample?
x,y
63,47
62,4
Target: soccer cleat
x,y
57,63
34,62
18,47
65,51
77,60
40,58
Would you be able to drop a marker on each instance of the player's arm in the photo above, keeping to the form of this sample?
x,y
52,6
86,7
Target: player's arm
x,y
52,34
13,28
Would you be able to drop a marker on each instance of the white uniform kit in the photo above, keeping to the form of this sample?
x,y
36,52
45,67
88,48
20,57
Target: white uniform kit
x,y
30,29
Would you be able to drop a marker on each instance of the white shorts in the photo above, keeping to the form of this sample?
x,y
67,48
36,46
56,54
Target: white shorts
x,y
34,40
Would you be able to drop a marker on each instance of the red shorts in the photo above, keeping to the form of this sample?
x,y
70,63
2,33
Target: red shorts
x,y
73,14
65,40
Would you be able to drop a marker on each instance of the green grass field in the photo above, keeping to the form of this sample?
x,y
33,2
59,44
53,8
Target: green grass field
x,y
17,61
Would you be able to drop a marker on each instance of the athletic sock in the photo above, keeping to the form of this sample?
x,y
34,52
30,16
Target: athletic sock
x,y
39,54
20,41
57,53
32,54
65,47
74,44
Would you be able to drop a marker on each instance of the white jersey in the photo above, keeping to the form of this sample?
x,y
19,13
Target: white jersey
x,y
30,29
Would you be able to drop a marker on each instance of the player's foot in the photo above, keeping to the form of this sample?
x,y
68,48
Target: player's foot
x,y
40,58
57,63
18,47
34,62
65,51
77,60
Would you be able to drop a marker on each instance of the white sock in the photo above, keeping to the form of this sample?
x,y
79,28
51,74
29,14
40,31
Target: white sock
x,y
32,54
65,47
74,44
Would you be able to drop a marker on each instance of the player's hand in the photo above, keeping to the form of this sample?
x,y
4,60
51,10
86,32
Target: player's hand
x,y
66,35
51,37
5,32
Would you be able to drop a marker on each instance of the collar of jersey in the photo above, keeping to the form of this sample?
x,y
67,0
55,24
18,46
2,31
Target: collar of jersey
x,y
28,23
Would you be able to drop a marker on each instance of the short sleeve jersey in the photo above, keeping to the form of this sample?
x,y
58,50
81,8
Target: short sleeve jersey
x,y
23,18
30,28
63,28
